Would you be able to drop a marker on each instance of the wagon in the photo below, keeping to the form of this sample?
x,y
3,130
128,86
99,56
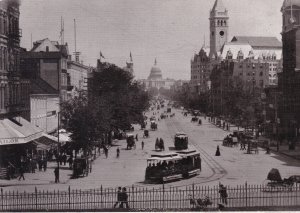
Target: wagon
x,y
146,133
130,141
80,167
276,183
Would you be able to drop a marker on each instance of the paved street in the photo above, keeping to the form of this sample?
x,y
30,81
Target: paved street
x,y
233,167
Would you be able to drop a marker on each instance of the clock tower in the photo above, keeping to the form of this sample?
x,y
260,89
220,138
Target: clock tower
x,y
218,22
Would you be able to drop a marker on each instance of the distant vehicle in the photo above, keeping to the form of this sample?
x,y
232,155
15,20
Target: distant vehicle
x,y
181,141
146,133
294,178
163,116
153,125
81,167
130,141
194,119
171,166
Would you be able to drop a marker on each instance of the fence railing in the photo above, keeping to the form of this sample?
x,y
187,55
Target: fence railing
x,y
145,198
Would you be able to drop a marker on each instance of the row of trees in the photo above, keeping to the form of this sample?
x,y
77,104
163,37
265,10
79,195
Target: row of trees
x,y
114,101
230,100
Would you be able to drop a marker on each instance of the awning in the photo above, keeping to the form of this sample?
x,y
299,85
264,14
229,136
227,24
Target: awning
x,y
46,142
18,131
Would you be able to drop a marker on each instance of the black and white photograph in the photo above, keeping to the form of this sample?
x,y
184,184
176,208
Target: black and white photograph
x,y
149,105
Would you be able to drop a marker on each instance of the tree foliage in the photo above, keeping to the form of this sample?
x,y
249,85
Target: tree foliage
x,y
114,101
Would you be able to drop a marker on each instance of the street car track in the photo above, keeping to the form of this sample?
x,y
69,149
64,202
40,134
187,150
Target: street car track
x,y
218,171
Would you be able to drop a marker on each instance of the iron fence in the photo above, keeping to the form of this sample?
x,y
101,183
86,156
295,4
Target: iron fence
x,y
145,198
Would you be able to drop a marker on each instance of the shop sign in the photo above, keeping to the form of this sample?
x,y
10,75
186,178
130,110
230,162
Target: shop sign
x,y
6,141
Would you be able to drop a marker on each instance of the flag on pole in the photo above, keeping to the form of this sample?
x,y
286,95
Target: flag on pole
x,y
101,55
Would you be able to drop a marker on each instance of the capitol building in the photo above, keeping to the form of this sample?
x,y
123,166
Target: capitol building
x,y
155,79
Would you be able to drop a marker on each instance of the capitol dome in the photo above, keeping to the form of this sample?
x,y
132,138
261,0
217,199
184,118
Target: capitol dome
x,y
155,73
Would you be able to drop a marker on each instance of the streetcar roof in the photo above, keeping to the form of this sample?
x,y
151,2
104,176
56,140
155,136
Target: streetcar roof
x,y
164,154
180,133
181,136
188,152
164,158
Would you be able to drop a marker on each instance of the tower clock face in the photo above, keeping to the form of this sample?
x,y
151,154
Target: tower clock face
x,y
222,33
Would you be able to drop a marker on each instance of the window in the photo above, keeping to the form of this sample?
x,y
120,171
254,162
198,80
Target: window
x,y
261,74
47,48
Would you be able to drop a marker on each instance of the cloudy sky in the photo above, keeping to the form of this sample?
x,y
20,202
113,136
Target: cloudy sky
x,y
170,30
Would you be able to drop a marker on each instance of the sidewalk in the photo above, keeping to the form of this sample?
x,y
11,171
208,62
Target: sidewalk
x,y
41,177
283,149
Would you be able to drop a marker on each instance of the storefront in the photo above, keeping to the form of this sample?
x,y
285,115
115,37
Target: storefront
x,y
16,141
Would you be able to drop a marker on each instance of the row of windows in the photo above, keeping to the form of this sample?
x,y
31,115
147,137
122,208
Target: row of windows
x,y
3,58
9,24
3,97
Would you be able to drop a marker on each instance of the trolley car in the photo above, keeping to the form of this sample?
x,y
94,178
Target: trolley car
x,y
172,166
181,141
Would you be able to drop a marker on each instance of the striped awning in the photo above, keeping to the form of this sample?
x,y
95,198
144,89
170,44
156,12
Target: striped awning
x,y
18,131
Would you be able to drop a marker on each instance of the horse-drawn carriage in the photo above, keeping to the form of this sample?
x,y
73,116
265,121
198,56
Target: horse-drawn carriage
x,y
181,141
230,141
194,119
275,182
130,141
162,116
159,144
146,133
153,125
81,167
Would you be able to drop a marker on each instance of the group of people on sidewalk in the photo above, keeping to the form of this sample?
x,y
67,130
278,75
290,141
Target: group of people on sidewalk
x,y
122,198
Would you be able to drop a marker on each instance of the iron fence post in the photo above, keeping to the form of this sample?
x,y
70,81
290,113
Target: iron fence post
x,y
36,202
101,197
193,191
163,195
133,196
69,190
2,202
246,188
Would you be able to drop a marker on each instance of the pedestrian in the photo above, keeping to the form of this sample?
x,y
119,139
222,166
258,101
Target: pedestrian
x,y
124,198
106,151
223,194
40,164
64,158
143,145
45,165
70,161
218,151
22,170
136,137
119,197
56,174
118,152
33,165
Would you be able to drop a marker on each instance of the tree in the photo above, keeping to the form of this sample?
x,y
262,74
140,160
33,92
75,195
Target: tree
x,y
114,101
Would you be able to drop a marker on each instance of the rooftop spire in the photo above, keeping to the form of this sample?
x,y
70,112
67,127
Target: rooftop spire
x,y
155,62
130,57
219,6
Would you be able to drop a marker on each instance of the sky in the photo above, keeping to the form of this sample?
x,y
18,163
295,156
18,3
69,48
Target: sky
x,y
170,30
